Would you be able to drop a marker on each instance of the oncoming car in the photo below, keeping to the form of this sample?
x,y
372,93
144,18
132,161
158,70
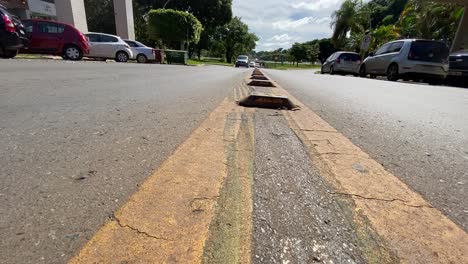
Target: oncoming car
x,y
242,61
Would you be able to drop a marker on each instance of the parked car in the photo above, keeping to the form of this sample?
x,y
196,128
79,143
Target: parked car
x,y
409,59
242,61
141,52
50,37
12,34
458,67
342,62
107,46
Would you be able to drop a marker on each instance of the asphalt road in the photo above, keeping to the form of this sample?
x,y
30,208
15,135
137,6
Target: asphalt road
x,y
418,132
76,139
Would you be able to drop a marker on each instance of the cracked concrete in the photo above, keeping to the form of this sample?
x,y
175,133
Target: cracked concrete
x,y
117,220
383,200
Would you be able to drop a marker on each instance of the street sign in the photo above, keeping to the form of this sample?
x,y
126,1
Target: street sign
x,y
366,42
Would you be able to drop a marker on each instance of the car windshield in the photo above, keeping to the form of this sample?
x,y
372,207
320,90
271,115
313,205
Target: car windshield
x,y
234,131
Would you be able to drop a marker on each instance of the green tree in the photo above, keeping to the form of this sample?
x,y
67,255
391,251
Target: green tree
x,y
298,52
345,20
235,39
211,13
423,19
171,25
100,16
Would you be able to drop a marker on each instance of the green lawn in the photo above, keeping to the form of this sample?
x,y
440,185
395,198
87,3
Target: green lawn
x,y
289,66
210,61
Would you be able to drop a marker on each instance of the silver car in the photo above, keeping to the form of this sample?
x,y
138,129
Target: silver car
x,y
409,59
342,62
105,46
141,52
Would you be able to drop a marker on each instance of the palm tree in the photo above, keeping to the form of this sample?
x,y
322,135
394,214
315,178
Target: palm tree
x,y
345,20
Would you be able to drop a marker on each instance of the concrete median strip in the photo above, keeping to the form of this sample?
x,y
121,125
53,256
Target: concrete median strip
x,y
414,230
168,219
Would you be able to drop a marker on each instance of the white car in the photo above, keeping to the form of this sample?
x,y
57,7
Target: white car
x,y
409,59
141,52
107,46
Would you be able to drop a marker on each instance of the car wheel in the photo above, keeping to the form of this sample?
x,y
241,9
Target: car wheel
x,y
332,71
392,72
72,52
142,59
121,56
434,81
363,71
9,54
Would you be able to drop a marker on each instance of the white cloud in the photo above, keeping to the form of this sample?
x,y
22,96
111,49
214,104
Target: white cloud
x,y
280,23
292,24
316,5
284,37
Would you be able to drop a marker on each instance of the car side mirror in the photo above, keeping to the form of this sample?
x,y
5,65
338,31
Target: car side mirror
x,y
371,54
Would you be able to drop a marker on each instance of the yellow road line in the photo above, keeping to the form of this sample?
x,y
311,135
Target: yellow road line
x,y
416,231
167,220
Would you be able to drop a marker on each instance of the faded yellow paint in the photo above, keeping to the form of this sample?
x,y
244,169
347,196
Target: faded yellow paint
x,y
167,220
416,231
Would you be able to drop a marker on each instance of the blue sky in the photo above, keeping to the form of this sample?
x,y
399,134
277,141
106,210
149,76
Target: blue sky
x,y
280,23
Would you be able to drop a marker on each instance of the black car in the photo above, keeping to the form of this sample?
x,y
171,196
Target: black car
x,y
458,67
12,34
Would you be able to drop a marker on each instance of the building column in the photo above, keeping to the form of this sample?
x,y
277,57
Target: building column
x,y
124,19
461,38
72,12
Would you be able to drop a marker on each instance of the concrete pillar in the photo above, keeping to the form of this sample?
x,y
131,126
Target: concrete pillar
x,y
72,12
124,19
461,38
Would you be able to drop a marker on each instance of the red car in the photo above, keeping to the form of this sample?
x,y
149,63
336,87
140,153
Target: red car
x,y
50,37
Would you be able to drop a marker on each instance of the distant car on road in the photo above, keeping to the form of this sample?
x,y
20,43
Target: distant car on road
x,y
252,64
458,67
342,62
106,46
242,61
12,34
141,52
50,37
409,59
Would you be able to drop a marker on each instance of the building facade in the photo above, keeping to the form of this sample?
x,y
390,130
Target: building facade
x,y
72,12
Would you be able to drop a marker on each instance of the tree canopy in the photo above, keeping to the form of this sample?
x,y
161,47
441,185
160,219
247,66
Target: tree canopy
x,y
171,25
234,39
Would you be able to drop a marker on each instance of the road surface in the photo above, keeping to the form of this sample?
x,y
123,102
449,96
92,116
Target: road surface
x,y
128,162
417,131
78,138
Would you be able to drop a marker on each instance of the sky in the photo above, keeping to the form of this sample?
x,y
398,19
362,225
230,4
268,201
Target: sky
x,y
281,23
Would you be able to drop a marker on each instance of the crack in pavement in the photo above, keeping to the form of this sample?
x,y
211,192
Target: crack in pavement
x,y
383,200
117,220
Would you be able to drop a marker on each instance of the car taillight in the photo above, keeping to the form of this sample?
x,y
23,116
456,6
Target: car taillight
x,y
9,26
338,61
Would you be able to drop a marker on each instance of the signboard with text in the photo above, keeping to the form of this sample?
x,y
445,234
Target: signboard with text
x,y
42,7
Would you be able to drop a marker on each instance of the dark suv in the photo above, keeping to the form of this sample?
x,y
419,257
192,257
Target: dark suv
x,y
12,34
458,71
